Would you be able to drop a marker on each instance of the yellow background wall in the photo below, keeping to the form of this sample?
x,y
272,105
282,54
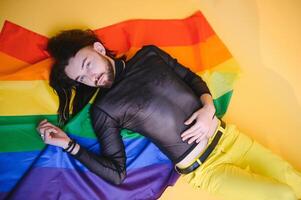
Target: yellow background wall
x,y
264,37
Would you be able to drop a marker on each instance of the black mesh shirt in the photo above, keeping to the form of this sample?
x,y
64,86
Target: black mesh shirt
x,y
153,95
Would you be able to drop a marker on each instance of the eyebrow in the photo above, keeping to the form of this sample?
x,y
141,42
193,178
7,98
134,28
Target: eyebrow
x,y
81,67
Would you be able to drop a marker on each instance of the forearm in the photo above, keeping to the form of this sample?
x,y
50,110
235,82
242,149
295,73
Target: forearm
x,y
113,171
110,164
208,104
100,165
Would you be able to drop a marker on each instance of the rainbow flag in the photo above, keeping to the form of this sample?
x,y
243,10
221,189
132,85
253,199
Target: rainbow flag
x,y
30,169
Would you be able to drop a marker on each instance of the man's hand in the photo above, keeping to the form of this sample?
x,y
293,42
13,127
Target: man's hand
x,y
53,135
201,127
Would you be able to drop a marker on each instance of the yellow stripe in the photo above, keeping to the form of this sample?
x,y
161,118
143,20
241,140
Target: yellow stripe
x,y
27,98
220,79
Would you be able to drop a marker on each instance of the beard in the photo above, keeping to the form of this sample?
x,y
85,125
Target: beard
x,y
109,75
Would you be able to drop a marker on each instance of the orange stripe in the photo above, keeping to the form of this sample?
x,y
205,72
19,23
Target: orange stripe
x,y
196,57
38,71
10,64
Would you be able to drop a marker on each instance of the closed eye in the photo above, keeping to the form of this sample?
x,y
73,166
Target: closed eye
x,y
81,79
88,64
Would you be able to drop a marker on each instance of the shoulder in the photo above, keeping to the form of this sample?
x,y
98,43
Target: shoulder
x,y
144,52
100,116
149,48
99,104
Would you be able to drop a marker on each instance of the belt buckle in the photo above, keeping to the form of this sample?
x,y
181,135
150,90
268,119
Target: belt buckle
x,y
177,170
220,127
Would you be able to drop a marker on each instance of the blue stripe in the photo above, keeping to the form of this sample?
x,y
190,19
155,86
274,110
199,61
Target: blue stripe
x,y
140,152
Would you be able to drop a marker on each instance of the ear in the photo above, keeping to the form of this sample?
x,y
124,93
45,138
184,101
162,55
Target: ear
x,y
99,48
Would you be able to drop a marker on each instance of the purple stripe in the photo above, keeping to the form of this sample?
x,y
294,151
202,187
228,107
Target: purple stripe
x,y
13,166
2,195
52,183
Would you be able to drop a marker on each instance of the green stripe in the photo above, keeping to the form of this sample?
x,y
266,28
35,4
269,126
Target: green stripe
x,y
81,125
221,104
18,133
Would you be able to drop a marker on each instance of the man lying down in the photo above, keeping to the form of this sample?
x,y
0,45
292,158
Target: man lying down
x,y
156,96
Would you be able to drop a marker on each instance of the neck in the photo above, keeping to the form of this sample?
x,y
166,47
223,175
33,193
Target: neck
x,y
119,69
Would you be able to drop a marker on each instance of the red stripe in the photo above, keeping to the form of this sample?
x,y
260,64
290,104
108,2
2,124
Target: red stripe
x,y
29,46
22,43
173,32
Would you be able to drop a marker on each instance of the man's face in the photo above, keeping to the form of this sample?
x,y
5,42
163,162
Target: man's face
x,y
92,67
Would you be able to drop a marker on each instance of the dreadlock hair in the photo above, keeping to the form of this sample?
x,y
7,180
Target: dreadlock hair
x,y
62,47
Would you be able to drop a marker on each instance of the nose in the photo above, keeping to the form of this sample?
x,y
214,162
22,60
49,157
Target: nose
x,y
92,76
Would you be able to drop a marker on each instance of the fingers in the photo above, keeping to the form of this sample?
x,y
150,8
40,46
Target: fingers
x,y
192,139
49,129
52,127
196,134
47,136
45,129
200,138
193,133
196,137
43,122
192,129
46,126
193,117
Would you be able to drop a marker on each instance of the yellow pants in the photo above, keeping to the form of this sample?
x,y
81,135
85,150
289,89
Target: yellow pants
x,y
239,168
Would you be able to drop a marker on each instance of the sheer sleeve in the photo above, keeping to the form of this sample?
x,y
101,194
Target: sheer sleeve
x,y
111,163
